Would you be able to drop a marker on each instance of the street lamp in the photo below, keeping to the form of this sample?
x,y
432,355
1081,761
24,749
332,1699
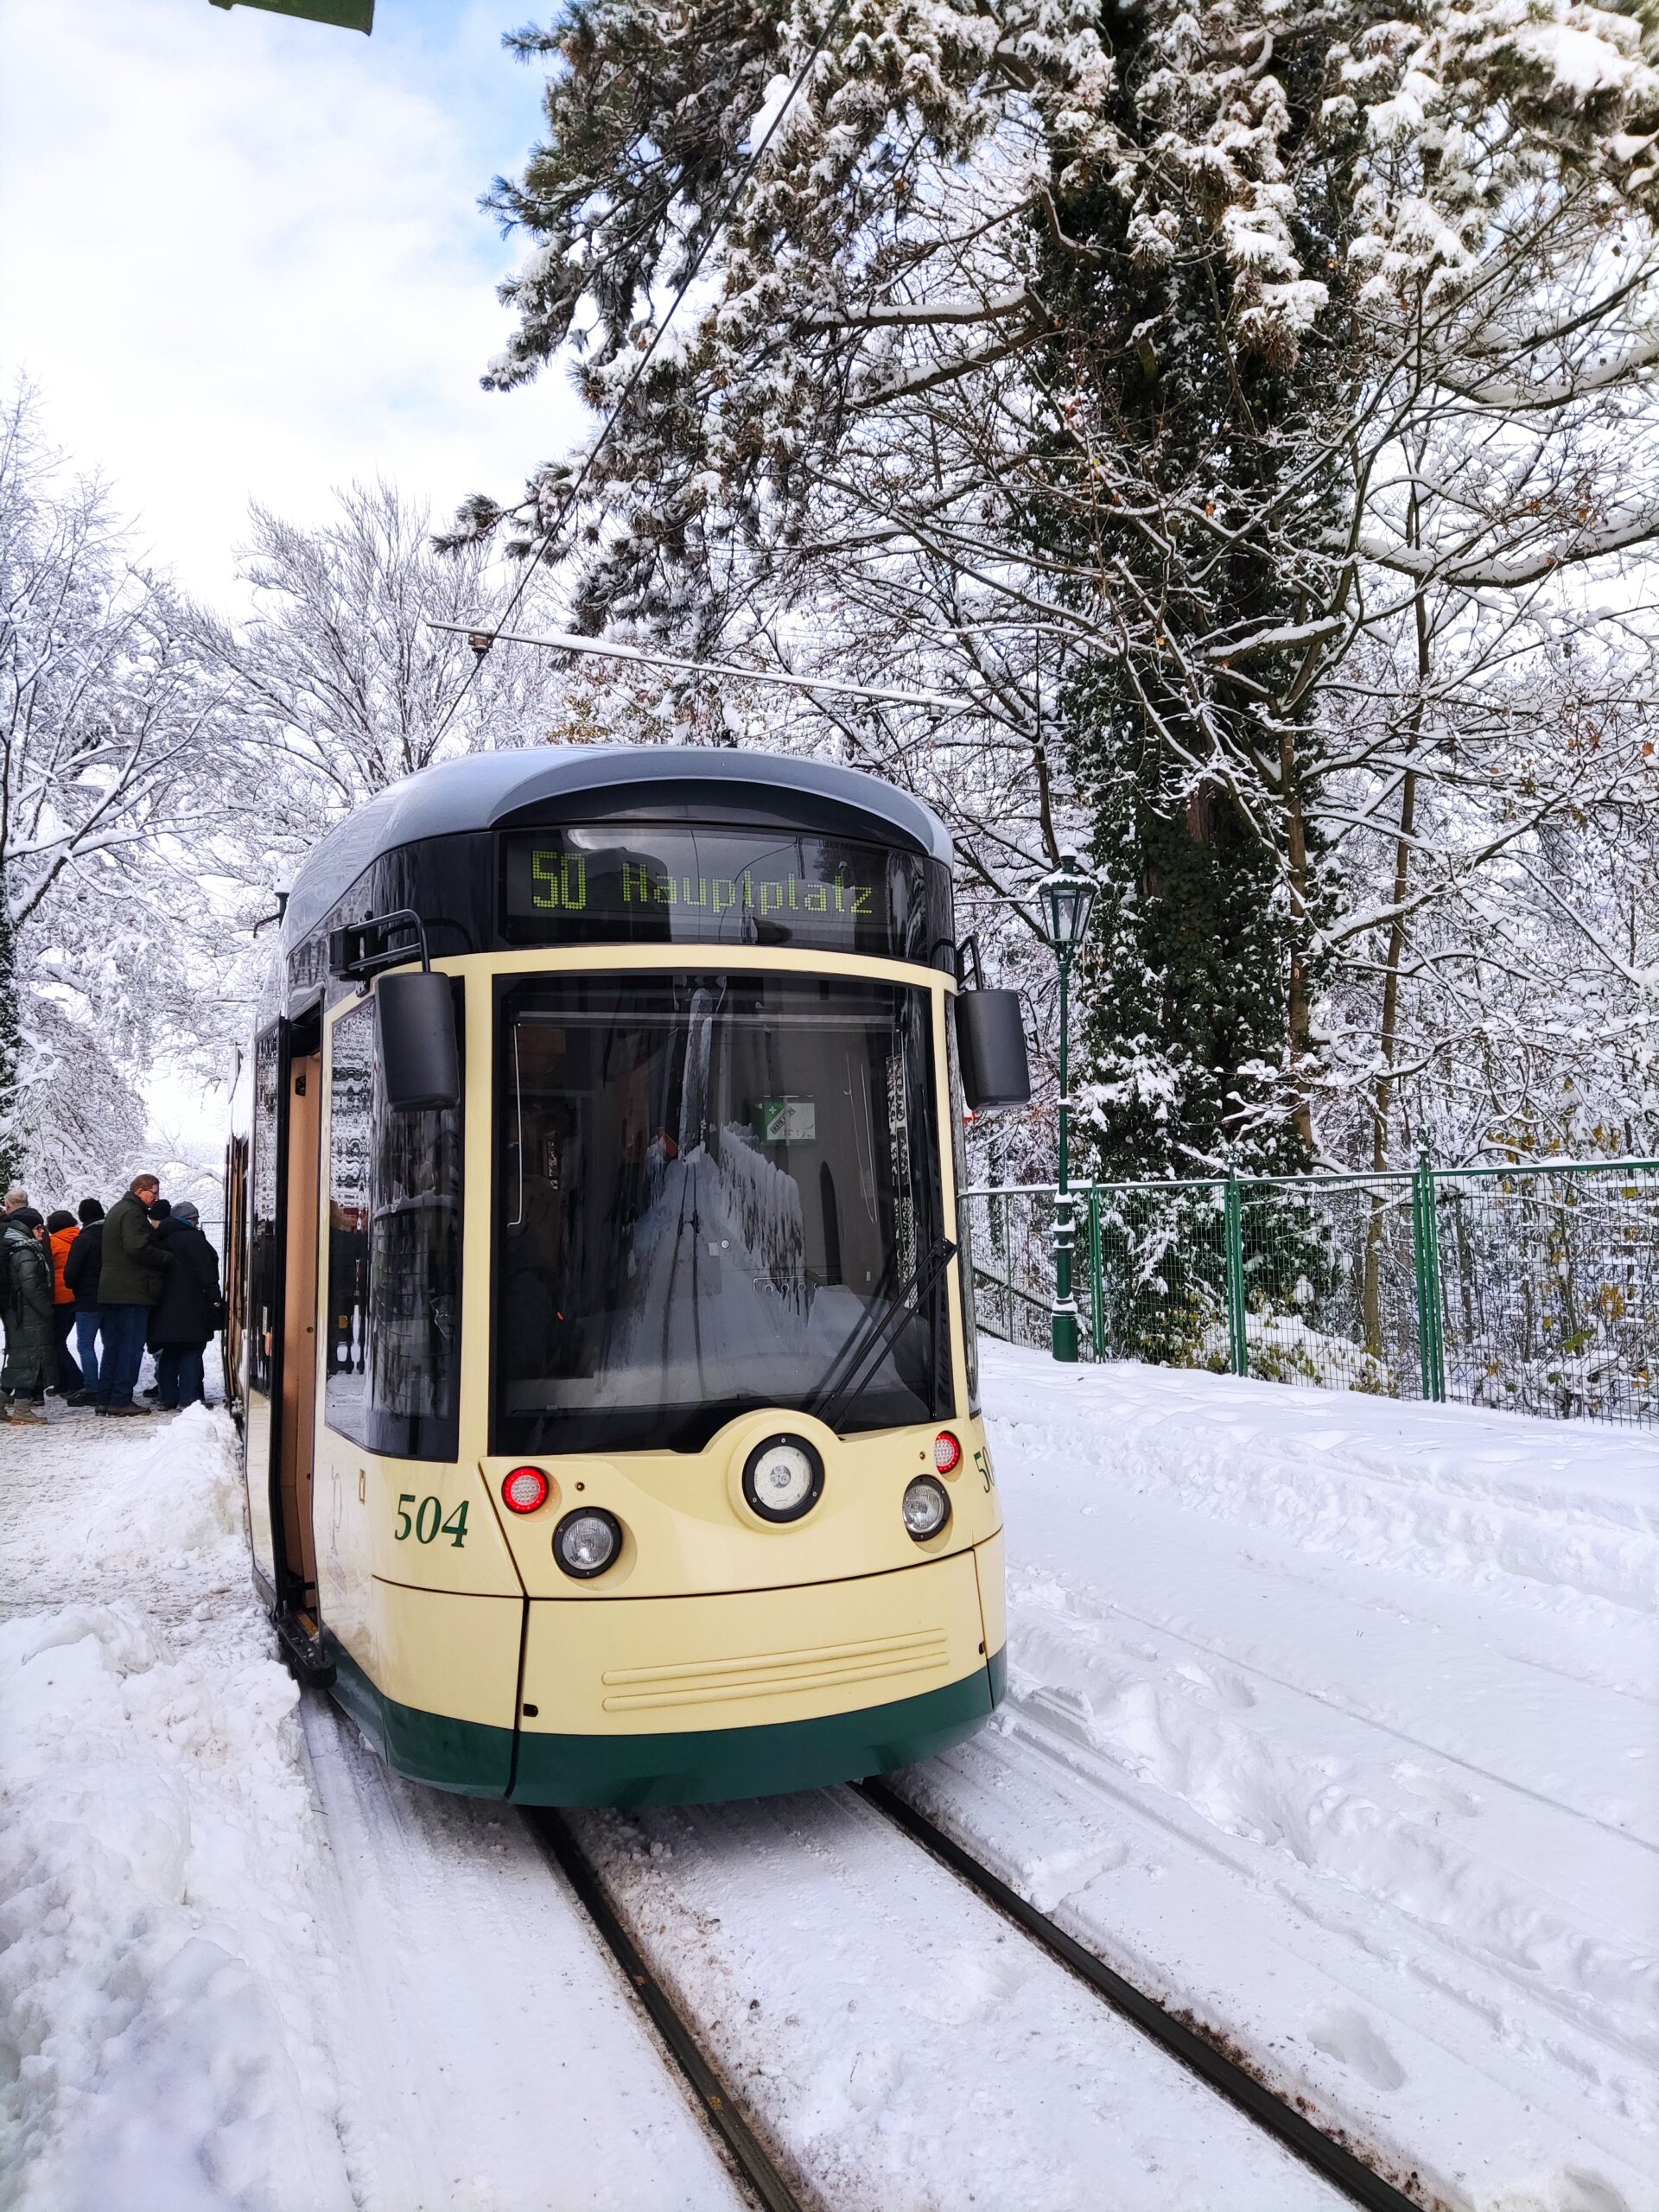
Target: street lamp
x,y
1068,897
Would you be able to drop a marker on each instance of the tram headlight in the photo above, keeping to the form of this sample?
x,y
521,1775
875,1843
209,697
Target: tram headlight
x,y
587,1541
783,1479
926,1508
947,1452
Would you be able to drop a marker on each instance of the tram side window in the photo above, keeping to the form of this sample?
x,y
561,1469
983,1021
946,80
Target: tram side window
x,y
264,1257
964,1222
393,1374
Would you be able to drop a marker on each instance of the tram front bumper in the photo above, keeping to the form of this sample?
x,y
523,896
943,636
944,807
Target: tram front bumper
x,y
688,1701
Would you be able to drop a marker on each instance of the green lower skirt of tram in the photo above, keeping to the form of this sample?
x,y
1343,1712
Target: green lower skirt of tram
x,y
684,1767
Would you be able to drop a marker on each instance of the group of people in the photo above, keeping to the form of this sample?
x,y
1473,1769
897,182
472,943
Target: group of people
x,y
141,1277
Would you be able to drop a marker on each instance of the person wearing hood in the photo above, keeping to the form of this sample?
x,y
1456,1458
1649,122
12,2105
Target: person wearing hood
x,y
61,1231
26,1295
187,1311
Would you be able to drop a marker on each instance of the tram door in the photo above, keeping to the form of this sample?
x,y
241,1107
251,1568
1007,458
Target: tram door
x,y
297,1430
282,1307
262,1302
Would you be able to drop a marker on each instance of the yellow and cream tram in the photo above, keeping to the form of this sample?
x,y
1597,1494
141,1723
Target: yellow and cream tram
x,y
603,1345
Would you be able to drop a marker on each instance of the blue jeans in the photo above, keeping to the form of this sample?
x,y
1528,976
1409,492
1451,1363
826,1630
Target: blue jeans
x,y
87,1328
178,1375
124,1329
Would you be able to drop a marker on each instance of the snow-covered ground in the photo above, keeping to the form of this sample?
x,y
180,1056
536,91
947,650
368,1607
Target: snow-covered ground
x,y
163,1960
1331,1721
233,1973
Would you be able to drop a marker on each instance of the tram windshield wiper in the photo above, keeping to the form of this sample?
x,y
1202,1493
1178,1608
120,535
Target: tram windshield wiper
x,y
867,1345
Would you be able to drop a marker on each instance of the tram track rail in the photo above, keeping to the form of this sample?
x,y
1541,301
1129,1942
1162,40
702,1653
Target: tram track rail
x,y
1275,2115
720,2107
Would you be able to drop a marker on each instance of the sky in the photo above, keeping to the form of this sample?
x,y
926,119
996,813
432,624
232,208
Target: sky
x,y
241,256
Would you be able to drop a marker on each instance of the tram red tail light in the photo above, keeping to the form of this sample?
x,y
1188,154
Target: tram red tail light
x,y
525,1490
947,1452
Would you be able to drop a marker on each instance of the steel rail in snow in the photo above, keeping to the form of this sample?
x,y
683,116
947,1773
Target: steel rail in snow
x,y
1332,2159
720,2107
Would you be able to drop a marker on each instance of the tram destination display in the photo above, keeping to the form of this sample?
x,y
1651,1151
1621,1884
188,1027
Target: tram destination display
x,y
653,882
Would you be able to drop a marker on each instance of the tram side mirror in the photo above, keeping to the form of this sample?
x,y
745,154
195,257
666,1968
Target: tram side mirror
x,y
991,1045
418,1054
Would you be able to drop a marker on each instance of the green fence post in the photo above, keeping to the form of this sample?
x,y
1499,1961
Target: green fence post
x,y
1238,1342
1097,1277
1436,1303
1426,1256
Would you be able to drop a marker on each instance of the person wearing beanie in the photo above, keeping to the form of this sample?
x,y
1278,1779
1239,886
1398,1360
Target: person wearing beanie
x,y
187,1311
26,1294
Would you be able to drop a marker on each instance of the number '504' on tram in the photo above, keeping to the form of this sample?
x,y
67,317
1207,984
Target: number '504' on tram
x,y
601,1328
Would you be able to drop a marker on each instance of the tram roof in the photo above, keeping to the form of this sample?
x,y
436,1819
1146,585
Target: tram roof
x,y
485,789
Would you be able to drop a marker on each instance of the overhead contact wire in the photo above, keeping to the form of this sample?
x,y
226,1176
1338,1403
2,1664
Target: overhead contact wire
x,y
573,493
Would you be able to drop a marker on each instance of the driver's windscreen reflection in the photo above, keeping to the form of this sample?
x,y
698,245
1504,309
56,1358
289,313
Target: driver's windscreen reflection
x,y
704,1184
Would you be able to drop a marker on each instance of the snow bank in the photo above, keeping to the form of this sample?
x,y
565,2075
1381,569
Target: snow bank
x,y
155,2050
1331,1719
173,1498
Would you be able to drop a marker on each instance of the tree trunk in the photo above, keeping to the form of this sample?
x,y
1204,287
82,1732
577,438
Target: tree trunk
x,y
10,1046
1382,1097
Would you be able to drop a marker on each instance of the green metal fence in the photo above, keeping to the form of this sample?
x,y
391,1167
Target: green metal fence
x,y
1534,1288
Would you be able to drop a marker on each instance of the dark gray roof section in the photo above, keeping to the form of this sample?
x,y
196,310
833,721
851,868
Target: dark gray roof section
x,y
485,788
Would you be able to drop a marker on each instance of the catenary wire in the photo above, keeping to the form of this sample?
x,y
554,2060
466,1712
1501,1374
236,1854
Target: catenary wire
x,y
574,491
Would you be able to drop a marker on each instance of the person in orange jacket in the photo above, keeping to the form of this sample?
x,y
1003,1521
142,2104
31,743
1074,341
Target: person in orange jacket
x,y
61,1231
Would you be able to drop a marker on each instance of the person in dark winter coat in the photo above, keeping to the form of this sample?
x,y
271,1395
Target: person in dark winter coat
x,y
184,1316
26,1294
80,1272
131,1269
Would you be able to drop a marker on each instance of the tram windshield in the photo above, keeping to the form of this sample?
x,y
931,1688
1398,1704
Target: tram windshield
x,y
704,1183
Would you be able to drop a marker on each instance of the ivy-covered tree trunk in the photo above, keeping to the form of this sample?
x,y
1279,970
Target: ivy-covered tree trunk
x,y
1194,756
1186,1028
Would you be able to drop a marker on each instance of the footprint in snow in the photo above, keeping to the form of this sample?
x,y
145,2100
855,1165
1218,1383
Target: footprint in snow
x,y
1226,1693
1445,1797
1349,2038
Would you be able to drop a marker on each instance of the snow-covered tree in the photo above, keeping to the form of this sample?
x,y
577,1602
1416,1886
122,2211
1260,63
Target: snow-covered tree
x,y
108,735
340,682
1216,350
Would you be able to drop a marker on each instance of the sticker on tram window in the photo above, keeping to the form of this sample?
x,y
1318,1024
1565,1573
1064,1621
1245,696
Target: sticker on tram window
x,y
427,1523
786,1120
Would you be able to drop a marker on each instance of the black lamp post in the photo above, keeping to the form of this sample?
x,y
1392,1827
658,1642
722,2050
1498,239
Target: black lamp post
x,y
1068,897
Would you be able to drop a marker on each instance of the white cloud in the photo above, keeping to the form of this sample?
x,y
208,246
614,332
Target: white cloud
x,y
242,257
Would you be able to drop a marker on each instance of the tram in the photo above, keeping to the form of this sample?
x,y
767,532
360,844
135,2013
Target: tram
x,y
601,1329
